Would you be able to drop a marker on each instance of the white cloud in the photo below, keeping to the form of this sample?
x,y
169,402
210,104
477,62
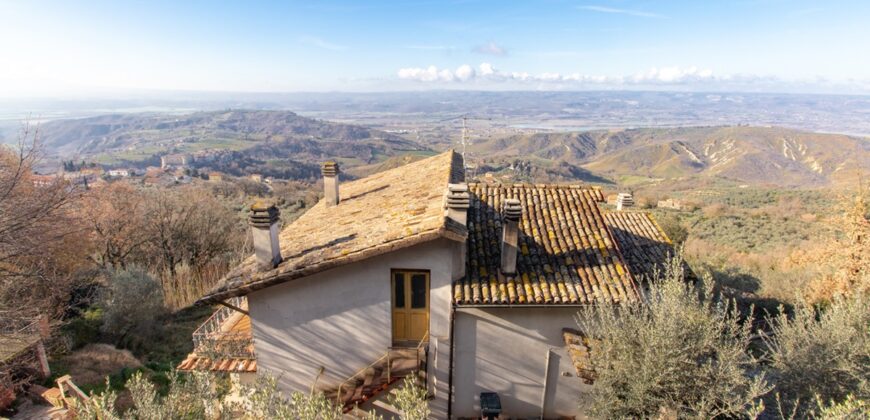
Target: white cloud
x,y
465,72
612,10
673,75
486,69
657,76
490,48
429,74
321,43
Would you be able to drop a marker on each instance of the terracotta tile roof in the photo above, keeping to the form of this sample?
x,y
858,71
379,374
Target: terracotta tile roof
x,y
566,253
386,211
201,363
644,244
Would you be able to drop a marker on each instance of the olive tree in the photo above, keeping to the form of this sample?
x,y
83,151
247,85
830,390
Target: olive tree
x,y
821,354
678,351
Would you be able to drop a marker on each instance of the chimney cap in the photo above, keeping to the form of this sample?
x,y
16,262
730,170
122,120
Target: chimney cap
x,y
513,210
263,215
454,188
458,196
329,168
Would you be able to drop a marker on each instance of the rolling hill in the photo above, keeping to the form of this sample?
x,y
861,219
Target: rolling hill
x,y
284,144
749,155
252,137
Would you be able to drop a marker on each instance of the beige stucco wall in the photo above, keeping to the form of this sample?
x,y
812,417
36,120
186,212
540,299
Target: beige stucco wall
x,y
340,320
505,351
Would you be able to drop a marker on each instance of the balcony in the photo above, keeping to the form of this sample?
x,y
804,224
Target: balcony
x,y
224,342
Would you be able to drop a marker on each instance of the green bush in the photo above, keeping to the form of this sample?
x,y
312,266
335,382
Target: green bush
x,y
680,352
672,227
821,354
201,396
133,307
84,329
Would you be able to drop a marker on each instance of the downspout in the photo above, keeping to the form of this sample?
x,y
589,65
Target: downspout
x,y
546,382
450,367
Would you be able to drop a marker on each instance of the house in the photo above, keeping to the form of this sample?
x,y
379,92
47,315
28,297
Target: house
x,y
670,203
215,176
412,271
174,161
43,180
121,173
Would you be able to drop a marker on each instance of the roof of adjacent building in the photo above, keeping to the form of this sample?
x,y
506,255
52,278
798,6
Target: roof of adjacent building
x,y
566,252
13,345
644,244
202,363
381,213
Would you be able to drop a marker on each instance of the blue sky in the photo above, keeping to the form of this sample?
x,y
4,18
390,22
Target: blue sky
x,y
64,47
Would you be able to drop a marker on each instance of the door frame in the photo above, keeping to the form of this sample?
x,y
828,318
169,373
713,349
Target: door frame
x,y
407,272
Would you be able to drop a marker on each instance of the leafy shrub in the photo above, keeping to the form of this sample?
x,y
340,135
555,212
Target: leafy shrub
x,y
821,354
850,408
673,228
681,351
84,329
411,400
202,396
195,396
133,306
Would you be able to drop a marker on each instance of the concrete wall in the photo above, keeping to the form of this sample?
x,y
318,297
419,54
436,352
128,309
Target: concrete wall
x,y
340,320
505,350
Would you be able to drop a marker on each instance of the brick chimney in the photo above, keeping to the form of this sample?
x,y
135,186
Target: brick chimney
x,y
458,202
510,235
330,182
264,229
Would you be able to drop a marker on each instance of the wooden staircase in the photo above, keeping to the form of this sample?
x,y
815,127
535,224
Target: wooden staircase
x,y
375,379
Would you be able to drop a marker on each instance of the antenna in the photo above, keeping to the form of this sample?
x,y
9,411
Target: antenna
x,y
464,142
464,139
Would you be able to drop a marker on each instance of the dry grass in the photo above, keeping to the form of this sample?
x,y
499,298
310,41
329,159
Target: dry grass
x,y
189,285
94,362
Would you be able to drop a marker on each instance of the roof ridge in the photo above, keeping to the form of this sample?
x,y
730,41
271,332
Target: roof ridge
x,y
382,212
534,185
401,168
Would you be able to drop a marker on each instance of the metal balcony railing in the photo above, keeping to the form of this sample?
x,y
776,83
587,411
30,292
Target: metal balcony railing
x,y
216,339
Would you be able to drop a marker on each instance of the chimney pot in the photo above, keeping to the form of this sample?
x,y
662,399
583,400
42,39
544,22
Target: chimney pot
x,y
512,212
264,230
458,202
624,200
330,182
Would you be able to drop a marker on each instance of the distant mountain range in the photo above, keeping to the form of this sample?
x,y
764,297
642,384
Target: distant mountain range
x,y
284,144
751,155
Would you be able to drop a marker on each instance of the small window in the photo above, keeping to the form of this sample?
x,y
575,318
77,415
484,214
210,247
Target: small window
x,y
418,291
399,289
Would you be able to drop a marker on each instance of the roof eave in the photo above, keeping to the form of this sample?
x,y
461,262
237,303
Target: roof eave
x,y
450,231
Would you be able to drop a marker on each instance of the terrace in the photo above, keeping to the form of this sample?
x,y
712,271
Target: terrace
x,y
224,342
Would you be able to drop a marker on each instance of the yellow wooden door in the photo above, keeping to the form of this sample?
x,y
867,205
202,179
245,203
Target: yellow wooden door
x,y
410,305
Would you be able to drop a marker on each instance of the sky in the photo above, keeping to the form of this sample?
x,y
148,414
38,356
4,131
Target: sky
x,y
57,48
